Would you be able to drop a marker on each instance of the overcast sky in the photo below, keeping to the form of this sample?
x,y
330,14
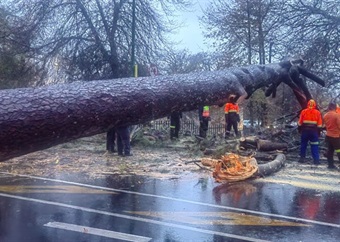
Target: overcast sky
x,y
190,34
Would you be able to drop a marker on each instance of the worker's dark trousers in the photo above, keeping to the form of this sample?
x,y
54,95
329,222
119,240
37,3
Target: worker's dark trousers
x,y
311,136
123,140
333,144
174,127
110,140
228,128
204,123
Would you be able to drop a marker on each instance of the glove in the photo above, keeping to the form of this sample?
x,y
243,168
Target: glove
x,y
300,129
319,131
238,118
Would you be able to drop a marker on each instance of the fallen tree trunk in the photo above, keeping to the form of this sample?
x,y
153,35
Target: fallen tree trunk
x,y
272,166
266,145
249,142
262,145
32,119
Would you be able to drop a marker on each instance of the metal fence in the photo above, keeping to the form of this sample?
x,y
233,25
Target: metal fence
x,y
188,127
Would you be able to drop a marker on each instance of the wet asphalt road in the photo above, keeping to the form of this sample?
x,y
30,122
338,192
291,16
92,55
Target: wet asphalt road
x,y
190,209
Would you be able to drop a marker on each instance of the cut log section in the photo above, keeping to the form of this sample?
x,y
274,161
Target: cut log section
x,y
249,142
232,167
262,145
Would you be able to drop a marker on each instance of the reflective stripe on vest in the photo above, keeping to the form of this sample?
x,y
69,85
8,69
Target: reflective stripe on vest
x,y
309,122
231,108
206,112
314,143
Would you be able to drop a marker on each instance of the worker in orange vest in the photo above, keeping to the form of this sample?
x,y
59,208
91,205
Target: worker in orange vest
x,y
310,126
204,118
232,116
332,124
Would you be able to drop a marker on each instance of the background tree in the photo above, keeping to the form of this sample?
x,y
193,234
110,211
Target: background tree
x,y
264,30
243,30
92,39
182,61
313,31
16,68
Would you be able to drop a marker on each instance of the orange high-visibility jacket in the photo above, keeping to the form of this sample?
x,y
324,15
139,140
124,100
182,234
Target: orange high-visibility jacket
x,y
337,108
332,123
310,116
206,112
231,108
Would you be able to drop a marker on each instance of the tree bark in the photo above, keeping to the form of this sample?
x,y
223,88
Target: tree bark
x,y
266,145
32,119
261,145
249,142
272,166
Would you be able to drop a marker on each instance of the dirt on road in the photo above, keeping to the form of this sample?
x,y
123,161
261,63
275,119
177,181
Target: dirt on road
x,y
88,157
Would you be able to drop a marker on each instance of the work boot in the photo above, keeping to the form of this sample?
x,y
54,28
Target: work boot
x,y
316,162
331,164
108,153
129,154
332,167
301,160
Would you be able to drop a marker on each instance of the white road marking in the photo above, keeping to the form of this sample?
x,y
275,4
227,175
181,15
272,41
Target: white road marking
x,y
295,219
99,232
145,220
52,189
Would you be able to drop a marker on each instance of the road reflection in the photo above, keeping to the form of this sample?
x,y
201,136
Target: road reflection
x,y
233,193
170,210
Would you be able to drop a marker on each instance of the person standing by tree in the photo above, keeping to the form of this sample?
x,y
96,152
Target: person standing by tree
x,y
175,124
332,124
204,118
123,141
232,116
110,141
309,125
